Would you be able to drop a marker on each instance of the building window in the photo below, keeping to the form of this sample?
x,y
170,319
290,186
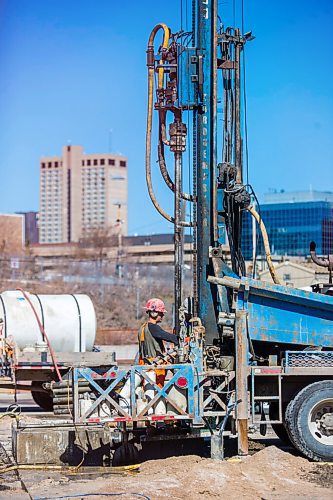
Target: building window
x,y
95,162
43,165
49,164
56,164
88,162
102,161
117,178
111,162
122,163
83,162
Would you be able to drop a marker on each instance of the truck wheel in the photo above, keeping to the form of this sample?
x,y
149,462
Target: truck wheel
x,y
279,429
125,454
309,421
42,399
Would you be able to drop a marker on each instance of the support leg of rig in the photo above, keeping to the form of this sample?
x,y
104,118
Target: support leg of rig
x,y
241,382
217,447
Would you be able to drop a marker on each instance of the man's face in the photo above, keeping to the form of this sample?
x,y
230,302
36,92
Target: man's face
x,y
159,317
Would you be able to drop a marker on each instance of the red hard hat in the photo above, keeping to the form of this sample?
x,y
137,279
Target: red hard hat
x,y
156,305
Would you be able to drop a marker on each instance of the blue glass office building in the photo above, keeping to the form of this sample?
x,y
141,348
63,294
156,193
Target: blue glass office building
x,y
293,220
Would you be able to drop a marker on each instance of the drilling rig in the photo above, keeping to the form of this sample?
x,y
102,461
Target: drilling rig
x,y
243,344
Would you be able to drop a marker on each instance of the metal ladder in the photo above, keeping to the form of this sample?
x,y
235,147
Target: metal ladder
x,y
276,397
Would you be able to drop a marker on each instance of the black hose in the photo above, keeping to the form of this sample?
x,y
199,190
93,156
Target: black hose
x,y
161,158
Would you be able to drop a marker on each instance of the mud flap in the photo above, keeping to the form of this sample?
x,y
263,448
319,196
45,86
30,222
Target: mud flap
x,y
263,425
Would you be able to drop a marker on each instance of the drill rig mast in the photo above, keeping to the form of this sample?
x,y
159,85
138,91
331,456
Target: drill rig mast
x,y
197,70
255,322
247,342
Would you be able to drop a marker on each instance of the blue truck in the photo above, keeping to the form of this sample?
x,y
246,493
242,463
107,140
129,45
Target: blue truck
x,y
244,345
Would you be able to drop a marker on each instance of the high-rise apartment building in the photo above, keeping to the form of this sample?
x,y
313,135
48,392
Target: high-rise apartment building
x,y
80,193
292,221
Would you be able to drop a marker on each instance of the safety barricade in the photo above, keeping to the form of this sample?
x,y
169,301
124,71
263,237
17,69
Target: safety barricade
x,y
117,395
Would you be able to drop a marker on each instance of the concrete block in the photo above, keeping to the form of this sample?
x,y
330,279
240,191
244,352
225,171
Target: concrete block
x,y
60,445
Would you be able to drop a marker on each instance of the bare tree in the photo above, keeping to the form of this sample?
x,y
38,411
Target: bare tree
x,y
100,239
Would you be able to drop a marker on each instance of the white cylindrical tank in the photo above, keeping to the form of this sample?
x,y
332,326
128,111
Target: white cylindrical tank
x,y
69,321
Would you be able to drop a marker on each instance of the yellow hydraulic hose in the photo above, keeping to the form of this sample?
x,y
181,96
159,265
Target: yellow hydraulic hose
x,y
262,227
165,43
148,146
72,469
150,117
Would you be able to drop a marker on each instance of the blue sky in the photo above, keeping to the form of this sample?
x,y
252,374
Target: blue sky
x,y
72,70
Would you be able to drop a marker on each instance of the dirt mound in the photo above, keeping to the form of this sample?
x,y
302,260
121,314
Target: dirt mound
x,y
321,474
269,473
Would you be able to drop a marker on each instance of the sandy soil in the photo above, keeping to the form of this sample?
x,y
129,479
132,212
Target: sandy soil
x,y
269,473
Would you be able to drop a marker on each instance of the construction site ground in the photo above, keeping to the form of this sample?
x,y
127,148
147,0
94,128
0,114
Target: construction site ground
x,y
271,471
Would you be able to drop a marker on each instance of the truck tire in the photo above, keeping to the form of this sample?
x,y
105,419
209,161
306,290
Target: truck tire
x,y
279,429
125,454
309,421
42,399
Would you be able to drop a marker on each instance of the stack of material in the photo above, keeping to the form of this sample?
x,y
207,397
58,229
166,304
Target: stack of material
x,y
63,395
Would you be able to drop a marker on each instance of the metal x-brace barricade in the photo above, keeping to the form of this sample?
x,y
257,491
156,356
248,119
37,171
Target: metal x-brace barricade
x,y
113,374
180,370
214,397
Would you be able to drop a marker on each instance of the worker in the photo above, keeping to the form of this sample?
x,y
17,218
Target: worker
x,y
151,335
151,338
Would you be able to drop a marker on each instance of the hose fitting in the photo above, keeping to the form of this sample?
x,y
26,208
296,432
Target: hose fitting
x,y
150,57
